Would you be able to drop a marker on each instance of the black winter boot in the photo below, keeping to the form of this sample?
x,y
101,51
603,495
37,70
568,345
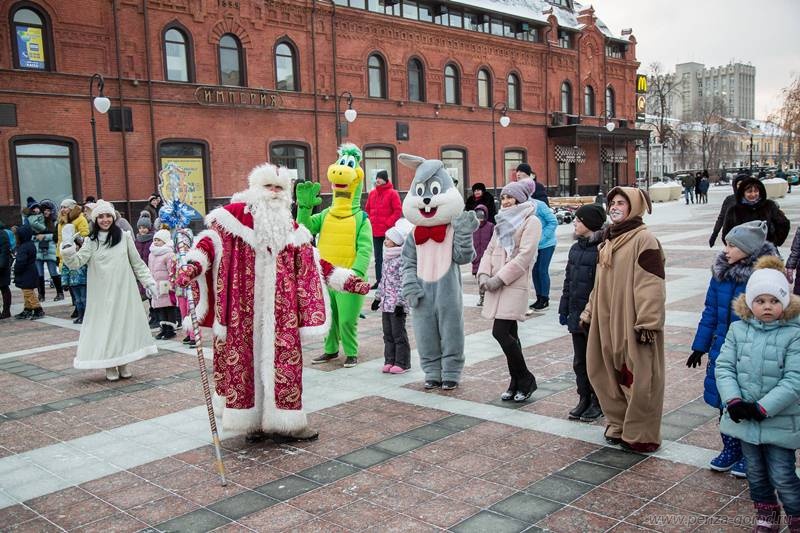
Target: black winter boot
x,y
541,303
59,289
583,404
167,331
37,313
41,288
593,412
26,313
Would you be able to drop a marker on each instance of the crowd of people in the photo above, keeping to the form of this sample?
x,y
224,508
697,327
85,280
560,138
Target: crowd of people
x,y
256,264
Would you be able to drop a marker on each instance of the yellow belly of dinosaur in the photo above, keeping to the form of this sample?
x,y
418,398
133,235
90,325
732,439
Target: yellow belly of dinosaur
x,y
337,241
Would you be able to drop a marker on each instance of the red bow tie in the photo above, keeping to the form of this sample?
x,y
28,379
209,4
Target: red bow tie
x,y
423,233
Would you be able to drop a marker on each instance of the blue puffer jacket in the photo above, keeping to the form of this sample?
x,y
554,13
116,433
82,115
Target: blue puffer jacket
x,y
549,223
760,362
727,283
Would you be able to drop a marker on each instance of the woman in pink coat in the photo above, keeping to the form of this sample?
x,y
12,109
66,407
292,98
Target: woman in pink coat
x,y
504,273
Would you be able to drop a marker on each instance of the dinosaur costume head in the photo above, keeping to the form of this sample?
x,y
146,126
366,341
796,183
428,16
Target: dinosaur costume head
x,y
347,181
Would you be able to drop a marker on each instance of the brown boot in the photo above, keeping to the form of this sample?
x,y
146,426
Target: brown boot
x,y
768,517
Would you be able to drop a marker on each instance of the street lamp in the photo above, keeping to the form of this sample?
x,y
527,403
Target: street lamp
x,y
350,114
751,154
102,104
505,120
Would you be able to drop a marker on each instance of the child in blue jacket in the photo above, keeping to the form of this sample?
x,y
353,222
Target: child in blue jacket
x,y
729,274
758,376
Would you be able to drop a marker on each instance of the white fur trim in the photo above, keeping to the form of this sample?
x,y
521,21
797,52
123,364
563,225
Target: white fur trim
x,y
246,420
311,333
230,224
199,257
220,331
339,277
300,236
186,324
117,361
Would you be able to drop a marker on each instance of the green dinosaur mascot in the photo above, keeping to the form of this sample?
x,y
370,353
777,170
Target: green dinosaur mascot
x,y
345,239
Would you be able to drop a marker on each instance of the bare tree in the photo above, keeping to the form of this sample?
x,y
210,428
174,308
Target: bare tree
x,y
787,117
660,85
712,126
684,144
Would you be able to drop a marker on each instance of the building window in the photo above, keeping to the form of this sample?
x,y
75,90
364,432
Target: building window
x,y
455,163
452,85
588,101
378,158
293,156
46,169
183,173
610,176
231,61
416,81
31,39
177,54
286,67
513,92
377,76
566,98
610,103
564,39
615,50
512,159
566,179
484,88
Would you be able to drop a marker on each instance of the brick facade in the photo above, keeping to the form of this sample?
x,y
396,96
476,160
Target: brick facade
x,y
55,104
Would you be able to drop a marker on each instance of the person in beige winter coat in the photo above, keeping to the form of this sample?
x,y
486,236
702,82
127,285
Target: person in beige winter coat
x,y
625,313
504,273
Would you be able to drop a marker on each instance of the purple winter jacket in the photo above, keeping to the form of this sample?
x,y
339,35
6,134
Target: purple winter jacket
x,y
390,287
142,243
481,238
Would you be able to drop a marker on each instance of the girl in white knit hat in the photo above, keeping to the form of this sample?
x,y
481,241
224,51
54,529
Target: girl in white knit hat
x,y
115,331
161,262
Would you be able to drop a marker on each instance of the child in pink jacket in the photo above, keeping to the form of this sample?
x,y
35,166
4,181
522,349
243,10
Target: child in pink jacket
x,y
162,263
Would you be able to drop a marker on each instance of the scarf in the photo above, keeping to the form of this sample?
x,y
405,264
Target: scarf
x,y
508,221
616,236
391,253
161,250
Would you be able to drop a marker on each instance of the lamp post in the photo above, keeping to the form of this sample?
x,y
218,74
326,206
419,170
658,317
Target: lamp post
x,y
102,104
350,114
505,120
751,154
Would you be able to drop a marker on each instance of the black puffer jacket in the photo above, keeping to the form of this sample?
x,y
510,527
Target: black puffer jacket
x,y
764,209
25,276
578,283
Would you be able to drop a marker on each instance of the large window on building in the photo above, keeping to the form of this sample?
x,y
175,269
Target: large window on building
x,y
231,61
376,68
416,81
378,158
177,55
588,101
286,78
184,172
514,100
566,98
484,88
46,169
567,182
291,155
564,39
611,103
511,159
31,38
455,162
452,85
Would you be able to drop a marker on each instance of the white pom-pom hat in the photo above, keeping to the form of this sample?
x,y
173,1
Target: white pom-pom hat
x,y
103,208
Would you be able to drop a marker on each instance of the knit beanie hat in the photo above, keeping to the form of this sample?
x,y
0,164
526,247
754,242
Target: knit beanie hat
x,y
748,237
517,190
103,208
398,233
382,175
526,168
593,216
68,203
144,220
31,202
768,278
164,235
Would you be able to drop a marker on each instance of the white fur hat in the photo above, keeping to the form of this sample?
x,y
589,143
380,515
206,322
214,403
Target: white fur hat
x,y
269,174
398,233
767,281
103,208
163,235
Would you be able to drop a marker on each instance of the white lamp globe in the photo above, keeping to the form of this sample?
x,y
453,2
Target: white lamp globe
x,y
610,126
350,115
505,121
102,104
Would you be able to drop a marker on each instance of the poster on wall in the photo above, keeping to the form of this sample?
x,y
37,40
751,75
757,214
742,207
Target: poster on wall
x,y
30,46
183,179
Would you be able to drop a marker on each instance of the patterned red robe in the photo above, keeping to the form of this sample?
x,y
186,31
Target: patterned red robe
x,y
262,307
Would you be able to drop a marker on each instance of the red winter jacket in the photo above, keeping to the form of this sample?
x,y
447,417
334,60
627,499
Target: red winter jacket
x,y
383,208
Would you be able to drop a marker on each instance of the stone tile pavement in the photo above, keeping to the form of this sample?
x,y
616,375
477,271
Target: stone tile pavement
x,y
80,453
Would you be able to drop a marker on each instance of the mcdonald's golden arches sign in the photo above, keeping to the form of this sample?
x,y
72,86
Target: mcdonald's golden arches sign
x,y
641,84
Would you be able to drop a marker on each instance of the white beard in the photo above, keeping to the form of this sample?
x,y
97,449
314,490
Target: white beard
x,y
272,220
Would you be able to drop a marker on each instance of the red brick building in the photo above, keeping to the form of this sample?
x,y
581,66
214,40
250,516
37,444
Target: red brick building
x,y
218,86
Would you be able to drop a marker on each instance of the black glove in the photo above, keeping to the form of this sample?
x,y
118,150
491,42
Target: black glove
x,y
695,359
738,411
754,412
375,304
399,311
712,240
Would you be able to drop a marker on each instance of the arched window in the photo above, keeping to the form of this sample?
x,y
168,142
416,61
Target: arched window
x,y
177,55
286,78
611,103
31,39
566,98
511,159
231,61
588,101
416,81
290,155
452,85
484,88
513,92
378,158
455,163
377,76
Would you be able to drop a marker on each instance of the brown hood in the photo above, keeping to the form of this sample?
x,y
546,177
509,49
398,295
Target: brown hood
x,y
639,200
792,310
74,213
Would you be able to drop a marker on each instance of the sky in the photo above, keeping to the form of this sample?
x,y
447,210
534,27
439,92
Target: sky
x,y
764,33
